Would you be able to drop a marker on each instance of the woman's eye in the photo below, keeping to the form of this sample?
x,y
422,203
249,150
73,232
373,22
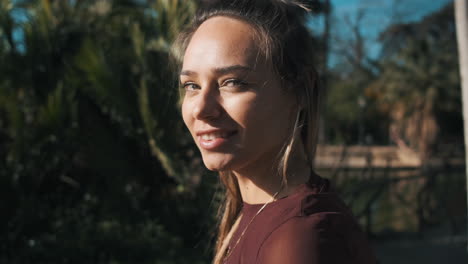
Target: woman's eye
x,y
190,86
233,83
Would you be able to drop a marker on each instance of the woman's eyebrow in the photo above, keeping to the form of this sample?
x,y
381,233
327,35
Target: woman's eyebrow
x,y
232,68
188,73
221,70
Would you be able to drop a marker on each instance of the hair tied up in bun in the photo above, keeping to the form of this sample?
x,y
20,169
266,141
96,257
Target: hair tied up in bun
x,y
299,4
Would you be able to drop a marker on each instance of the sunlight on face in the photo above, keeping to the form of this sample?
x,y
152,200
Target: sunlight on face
x,y
233,105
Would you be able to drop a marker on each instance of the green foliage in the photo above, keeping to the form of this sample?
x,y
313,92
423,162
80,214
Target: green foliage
x,y
94,160
419,82
352,115
411,94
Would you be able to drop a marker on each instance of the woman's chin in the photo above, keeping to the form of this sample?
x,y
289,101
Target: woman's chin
x,y
216,167
214,164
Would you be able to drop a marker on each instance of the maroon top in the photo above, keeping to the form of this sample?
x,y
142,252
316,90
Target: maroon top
x,y
310,226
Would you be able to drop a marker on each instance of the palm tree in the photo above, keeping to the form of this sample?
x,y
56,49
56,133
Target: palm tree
x,y
91,134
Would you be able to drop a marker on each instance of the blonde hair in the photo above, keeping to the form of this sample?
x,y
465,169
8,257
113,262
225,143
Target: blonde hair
x,y
285,42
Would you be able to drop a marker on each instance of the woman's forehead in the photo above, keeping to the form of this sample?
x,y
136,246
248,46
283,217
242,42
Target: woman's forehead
x,y
222,41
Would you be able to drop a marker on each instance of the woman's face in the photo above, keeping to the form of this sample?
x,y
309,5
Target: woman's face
x,y
233,105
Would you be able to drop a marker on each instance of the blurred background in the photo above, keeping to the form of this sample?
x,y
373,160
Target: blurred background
x,y
96,165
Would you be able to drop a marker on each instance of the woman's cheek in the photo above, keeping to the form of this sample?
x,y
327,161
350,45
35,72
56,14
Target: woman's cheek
x,y
243,107
186,114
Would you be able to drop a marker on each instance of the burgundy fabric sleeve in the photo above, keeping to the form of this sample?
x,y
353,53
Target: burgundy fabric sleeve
x,y
319,238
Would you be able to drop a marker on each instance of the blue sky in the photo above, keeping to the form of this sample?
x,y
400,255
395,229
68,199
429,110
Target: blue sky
x,y
378,15
414,9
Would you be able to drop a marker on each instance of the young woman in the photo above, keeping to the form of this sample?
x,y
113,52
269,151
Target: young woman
x,y
251,103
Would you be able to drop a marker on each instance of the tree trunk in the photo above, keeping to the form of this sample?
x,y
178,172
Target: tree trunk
x,y
461,21
326,45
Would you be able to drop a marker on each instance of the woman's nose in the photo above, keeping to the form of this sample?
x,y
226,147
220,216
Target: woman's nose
x,y
206,106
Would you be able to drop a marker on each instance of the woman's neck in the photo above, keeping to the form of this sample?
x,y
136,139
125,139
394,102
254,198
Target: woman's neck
x,y
258,184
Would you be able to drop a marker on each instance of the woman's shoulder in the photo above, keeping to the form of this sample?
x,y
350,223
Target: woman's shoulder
x,y
318,200
320,238
312,202
323,230
318,211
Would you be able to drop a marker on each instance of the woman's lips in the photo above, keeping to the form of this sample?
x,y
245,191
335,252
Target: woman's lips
x,y
210,140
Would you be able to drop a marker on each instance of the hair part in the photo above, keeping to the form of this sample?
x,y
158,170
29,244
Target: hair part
x,y
285,43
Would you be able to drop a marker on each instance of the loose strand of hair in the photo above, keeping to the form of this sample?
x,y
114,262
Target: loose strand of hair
x,y
228,213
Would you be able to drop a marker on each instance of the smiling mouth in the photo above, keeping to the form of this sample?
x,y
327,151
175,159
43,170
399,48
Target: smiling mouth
x,y
215,135
215,139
